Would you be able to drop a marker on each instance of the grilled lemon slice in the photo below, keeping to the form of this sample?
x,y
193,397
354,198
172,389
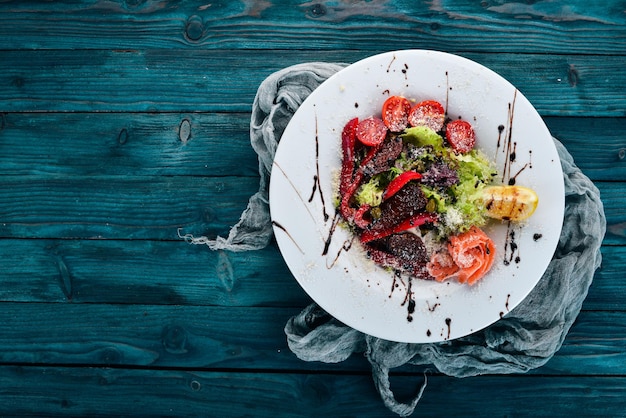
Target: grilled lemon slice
x,y
510,203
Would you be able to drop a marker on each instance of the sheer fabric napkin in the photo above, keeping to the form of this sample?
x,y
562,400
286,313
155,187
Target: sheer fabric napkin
x,y
525,339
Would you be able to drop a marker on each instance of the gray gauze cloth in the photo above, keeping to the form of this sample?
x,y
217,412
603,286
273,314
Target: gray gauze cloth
x,y
526,338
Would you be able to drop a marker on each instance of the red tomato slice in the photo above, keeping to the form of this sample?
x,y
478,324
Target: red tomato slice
x,y
429,113
396,113
371,131
460,135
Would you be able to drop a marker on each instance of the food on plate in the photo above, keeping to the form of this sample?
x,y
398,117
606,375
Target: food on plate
x,y
467,258
515,203
416,191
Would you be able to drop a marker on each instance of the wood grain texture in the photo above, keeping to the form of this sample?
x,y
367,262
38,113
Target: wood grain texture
x,y
128,144
195,338
144,272
493,26
128,207
216,144
226,80
44,391
596,144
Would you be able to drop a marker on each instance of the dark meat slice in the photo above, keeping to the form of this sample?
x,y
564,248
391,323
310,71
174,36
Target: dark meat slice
x,y
409,248
402,252
440,174
407,202
386,157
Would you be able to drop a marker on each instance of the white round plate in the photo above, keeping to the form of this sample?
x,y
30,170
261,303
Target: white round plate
x,y
332,268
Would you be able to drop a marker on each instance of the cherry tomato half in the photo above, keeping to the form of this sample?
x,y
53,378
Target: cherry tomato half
x,y
429,113
396,113
371,131
460,135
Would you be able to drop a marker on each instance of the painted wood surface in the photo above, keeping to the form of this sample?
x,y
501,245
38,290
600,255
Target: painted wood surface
x,y
173,80
491,25
123,122
149,393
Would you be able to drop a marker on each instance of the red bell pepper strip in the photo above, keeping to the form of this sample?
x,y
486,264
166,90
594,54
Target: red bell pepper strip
x,y
350,179
359,219
417,220
348,138
399,182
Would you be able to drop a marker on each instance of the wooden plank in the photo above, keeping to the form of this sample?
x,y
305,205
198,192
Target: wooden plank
x,y
143,335
576,27
226,80
606,291
161,273
595,341
145,273
217,144
62,391
177,336
128,207
71,144
595,144
612,196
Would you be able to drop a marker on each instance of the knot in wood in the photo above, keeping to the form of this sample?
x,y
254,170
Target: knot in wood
x,y
572,75
317,10
174,339
122,137
621,153
184,131
194,28
111,355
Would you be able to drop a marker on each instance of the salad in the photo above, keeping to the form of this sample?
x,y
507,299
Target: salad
x,y
416,192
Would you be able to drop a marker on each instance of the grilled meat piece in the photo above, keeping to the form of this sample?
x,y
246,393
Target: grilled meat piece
x,y
385,158
407,202
409,248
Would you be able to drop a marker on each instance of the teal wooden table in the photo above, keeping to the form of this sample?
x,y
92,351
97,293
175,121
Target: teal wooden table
x,y
122,121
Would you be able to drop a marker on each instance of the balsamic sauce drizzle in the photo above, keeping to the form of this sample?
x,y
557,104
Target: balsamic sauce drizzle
x,y
279,226
511,249
397,280
293,186
409,300
347,244
508,147
432,308
506,305
391,62
344,248
331,231
317,186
